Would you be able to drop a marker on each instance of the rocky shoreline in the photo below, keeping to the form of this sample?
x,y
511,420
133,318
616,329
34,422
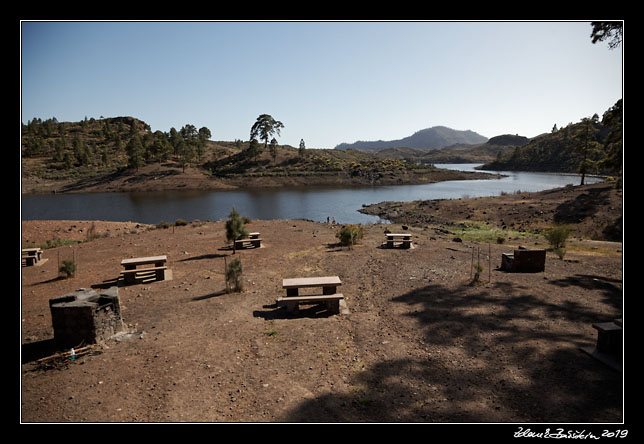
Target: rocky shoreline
x,y
593,211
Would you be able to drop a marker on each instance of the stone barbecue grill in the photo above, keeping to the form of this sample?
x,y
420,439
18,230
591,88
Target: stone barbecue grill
x,y
85,317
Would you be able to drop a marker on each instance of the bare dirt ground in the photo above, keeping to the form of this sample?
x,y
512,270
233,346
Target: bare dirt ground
x,y
420,343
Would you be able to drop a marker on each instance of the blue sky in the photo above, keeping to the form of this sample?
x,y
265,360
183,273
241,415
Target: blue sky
x,y
327,82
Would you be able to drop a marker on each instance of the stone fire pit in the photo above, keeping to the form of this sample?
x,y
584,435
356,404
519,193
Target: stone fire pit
x,y
85,317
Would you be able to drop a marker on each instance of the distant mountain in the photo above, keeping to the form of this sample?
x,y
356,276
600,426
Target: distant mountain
x,y
427,139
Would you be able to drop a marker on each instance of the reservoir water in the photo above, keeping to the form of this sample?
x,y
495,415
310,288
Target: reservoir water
x,y
341,204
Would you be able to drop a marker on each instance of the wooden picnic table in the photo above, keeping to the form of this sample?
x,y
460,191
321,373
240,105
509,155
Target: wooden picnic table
x,y
329,296
31,255
130,267
253,240
329,284
132,263
403,238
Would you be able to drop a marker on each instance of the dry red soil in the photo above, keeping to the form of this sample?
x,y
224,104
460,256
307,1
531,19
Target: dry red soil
x,y
420,343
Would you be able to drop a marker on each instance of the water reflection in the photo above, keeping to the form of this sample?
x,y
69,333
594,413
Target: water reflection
x,y
312,203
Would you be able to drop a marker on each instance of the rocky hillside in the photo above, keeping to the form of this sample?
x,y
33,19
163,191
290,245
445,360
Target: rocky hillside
x,y
459,153
592,144
124,154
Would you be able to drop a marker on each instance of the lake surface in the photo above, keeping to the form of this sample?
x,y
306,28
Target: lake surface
x,y
341,204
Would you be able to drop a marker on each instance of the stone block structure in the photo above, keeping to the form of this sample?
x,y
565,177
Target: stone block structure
x,y
85,317
524,261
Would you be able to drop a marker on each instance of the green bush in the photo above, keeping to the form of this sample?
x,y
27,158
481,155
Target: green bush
x,y
557,237
68,267
350,235
235,227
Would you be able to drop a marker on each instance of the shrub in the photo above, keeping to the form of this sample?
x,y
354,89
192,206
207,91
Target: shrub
x,y
180,223
350,235
68,267
557,237
235,227
233,275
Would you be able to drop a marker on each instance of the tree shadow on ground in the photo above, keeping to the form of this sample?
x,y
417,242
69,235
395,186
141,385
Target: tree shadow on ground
x,y
611,288
204,256
487,355
32,351
210,295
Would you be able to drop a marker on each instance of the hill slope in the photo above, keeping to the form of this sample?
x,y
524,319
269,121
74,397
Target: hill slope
x,y
563,150
97,155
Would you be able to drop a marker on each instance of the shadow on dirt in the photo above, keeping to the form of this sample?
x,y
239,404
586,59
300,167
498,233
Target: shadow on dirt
x,y
32,351
583,206
478,363
611,288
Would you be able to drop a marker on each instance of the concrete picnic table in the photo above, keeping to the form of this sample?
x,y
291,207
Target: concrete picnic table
x,y
404,238
329,284
329,296
130,264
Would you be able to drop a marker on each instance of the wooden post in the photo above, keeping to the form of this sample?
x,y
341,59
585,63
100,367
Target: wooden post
x,y
472,263
226,274
489,263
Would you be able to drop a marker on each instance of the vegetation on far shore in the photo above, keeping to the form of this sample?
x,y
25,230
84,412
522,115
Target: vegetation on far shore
x,y
591,146
106,147
68,151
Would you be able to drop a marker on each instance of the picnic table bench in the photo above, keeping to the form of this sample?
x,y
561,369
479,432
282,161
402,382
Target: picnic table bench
x,y
402,239
158,267
252,240
31,255
329,297
524,260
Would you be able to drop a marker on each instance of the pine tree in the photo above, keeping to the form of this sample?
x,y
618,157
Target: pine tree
x,y
235,227
273,149
265,127
135,153
302,148
586,145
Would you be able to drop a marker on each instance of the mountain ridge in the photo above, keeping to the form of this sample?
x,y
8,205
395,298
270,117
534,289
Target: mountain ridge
x,y
435,137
